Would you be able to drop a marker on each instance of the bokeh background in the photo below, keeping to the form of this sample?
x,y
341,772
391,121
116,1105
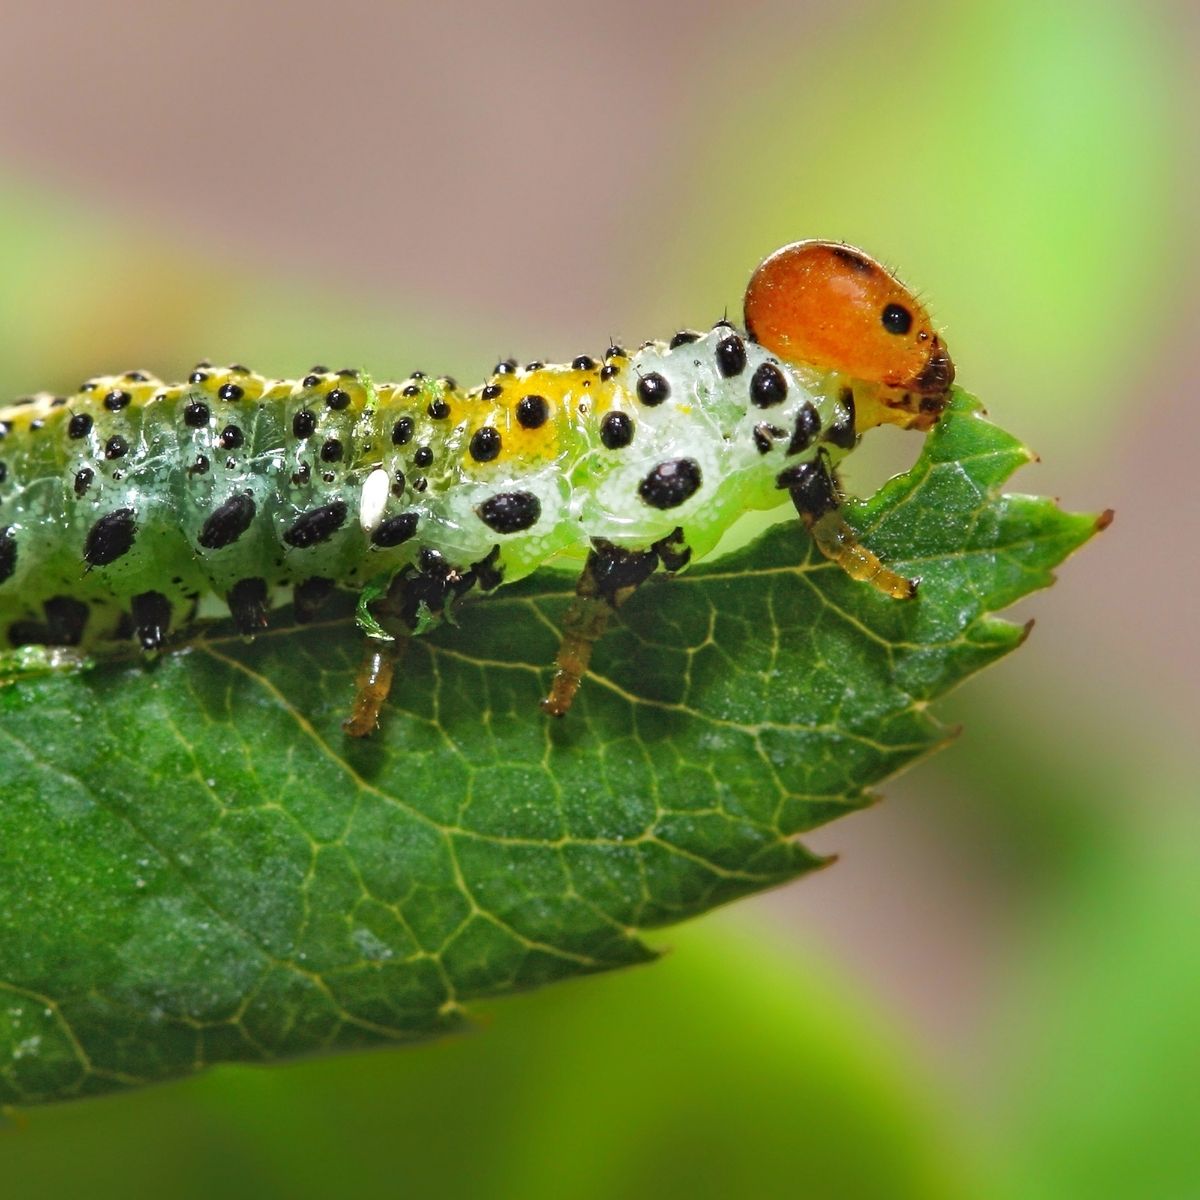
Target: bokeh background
x,y
996,991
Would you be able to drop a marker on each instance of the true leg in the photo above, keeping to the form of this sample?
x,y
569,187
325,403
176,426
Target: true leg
x,y
610,576
814,492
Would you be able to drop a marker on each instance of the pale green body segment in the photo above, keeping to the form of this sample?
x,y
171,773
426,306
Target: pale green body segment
x,y
242,486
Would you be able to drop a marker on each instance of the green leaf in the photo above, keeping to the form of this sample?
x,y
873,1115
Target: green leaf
x,y
196,865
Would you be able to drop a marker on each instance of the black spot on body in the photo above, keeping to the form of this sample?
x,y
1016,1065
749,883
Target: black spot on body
x,y
532,412
116,447
232,438
506,366
584,362
83,480
66,619
765,435
194,377
402,431
231,391
493,391
332,451
684,337
117,400
200,466
151,618
310,381
731,356
110,537
438,409
616,430
609,371
228,521
304,424
671,483
423,457
3,471
317,525
8,553
338,399
768,386
652,389
395,530
485,444
309,596
196,415
510,512
808,424
841,431
80,425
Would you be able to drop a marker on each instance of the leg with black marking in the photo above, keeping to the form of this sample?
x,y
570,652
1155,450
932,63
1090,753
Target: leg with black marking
x,y
415,600
610,576
814,492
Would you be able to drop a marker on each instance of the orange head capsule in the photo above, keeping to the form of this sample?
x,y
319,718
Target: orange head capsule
x,y
831,306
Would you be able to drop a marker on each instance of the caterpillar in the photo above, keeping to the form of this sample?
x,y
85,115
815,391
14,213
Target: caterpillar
x,y
122,505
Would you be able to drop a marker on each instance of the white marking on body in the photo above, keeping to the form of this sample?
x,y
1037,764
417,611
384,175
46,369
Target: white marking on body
x,y
373,500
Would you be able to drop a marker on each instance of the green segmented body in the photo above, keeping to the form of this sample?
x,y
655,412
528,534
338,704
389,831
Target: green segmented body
x,y
122,505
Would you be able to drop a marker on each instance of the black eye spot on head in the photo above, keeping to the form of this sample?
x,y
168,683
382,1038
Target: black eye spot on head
x,y
653,389
117,400
671,483
423,456
896,318
767,386
196,414
510,512
532,412
115,447
79,426
304,424
616,430
485,444
402,431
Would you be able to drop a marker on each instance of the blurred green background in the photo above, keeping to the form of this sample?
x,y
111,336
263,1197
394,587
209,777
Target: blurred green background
x,y
995,992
